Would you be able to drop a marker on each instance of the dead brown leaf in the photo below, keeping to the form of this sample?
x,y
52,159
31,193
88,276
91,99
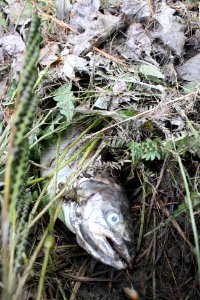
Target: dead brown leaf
x,y
170,29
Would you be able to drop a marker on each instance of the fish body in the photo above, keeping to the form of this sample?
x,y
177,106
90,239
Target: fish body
x,y
99,214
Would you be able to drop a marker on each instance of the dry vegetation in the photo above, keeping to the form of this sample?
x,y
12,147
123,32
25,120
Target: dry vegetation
x,y
131,71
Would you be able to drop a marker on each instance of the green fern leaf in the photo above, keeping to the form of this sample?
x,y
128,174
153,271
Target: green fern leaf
x,y
65,100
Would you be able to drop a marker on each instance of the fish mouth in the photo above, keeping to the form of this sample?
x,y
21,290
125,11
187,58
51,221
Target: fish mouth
x,y
107,248
124,253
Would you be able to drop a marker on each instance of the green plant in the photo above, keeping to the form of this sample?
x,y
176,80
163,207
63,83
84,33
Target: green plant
x,y
15,207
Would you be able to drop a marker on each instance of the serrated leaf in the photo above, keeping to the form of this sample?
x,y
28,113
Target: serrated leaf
x,y
65,100
151,71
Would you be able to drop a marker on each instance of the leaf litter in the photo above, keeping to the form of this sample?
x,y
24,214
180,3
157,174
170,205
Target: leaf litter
x,y
118,60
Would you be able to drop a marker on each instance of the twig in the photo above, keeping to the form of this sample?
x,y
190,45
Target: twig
x,y
81,273
156,188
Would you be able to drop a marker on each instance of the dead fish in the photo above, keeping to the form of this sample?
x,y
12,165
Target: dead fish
x,y
101,217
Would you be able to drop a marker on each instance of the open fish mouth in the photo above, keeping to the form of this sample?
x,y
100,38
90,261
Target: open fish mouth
x,y
109,249
123,258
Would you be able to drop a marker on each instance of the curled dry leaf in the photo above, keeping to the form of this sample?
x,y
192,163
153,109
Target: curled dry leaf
x,y
170,29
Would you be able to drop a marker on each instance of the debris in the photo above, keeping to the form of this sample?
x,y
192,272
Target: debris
x,y
131,294
12,44
20,13
138,44
190,70
151,72
49,54
171,29
73,63
137,8
129,70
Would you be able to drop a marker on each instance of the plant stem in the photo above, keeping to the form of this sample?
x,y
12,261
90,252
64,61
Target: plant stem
x,y
191,211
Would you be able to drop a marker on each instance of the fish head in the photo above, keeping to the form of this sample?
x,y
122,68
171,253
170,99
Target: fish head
x,y
102,223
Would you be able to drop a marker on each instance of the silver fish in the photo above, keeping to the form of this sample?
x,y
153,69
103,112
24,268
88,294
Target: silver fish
x,y
100,216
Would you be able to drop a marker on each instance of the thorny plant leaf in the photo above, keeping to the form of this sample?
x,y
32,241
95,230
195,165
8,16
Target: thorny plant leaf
x,y
170,29
65,100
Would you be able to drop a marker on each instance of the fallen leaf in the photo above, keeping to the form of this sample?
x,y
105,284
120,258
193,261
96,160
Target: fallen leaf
x,y
136,7
85,7
151,71
191,87
12,44
101,102
119,87
93,26
49,54
138,44
19,13
73,63
190,70
96,28
170,29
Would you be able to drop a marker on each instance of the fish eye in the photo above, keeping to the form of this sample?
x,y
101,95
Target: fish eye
x,y
113,218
